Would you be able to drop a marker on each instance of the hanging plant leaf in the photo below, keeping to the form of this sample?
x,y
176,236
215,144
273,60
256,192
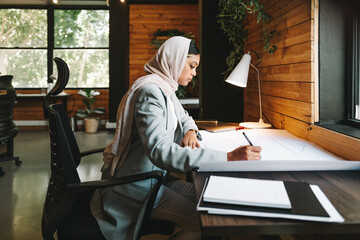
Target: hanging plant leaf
x,y
232,19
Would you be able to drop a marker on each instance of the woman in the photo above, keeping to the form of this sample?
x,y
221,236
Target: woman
x,y
154,132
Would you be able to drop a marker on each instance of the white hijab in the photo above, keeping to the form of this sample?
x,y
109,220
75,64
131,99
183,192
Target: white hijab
x,y
164,70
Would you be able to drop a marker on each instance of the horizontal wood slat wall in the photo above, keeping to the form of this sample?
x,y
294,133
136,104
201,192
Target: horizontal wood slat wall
x,y
31,109
289,77
147,19
286,82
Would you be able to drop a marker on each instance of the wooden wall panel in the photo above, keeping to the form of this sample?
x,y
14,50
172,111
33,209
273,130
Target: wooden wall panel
x,y
339,144
289,77
147,19
287,86
298,53
298,72
32,109
287,15
292,90
297,109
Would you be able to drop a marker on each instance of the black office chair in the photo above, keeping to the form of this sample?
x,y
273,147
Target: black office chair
x,y
67,203
8,129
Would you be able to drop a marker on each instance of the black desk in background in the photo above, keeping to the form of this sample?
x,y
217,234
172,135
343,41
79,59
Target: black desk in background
x,y
192,106
342,188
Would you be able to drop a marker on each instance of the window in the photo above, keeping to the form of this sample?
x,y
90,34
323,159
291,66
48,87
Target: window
x,y
339,66
353,40
23,46
79,36
356,70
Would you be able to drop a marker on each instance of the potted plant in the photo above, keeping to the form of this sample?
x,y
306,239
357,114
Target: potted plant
x,y
89,113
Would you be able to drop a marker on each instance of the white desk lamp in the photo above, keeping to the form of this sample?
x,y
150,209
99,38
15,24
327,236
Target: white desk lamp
x,y
239,78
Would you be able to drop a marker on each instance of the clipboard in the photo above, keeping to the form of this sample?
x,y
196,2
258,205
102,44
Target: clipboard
x,y
215,126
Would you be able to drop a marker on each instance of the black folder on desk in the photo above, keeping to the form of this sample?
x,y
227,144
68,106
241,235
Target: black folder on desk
x,y
305,206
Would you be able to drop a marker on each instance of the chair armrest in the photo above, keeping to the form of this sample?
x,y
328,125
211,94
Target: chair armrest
x,y
92,185
92,151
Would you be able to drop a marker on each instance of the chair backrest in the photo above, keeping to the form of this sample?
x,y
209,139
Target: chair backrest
x,y
65,156
59,200
8,128
69,213
62,81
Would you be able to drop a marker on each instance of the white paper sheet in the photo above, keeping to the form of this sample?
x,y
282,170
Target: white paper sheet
x,y
281,151
245,191
279,165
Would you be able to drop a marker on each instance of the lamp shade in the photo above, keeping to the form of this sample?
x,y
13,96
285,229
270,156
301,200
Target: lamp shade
x,y
239,75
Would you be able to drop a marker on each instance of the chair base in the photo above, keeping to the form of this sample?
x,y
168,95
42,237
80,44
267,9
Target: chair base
x,y
7,159
9,154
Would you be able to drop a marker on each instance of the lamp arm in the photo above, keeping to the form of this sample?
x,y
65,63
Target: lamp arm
x,y
257,57
258,78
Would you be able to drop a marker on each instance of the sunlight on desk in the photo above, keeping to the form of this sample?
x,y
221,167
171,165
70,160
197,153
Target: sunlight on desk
x,y
281,151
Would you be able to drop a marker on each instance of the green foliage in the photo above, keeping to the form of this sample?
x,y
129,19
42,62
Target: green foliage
x,y
89,100
73,28
81,28
160,36
168,33
64,28
232,19
88,67
23,28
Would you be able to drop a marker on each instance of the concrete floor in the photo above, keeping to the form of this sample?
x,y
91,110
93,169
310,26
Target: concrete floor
x,y
23,188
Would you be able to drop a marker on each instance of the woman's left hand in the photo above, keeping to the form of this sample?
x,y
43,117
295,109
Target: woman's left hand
x,y
190,140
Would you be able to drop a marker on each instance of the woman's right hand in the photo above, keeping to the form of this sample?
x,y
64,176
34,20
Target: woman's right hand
x,y
245,153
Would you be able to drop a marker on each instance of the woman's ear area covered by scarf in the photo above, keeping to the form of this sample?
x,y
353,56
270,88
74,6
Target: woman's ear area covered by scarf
x,y
169,60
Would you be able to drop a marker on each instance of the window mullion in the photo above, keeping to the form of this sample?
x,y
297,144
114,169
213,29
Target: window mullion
x,y
50,52
356,77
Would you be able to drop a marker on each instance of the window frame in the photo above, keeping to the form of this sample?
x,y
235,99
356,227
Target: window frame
x,y
337,101
353,77
50,34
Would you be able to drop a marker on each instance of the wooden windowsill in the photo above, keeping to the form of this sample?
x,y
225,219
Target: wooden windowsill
x,y
348,130
345,146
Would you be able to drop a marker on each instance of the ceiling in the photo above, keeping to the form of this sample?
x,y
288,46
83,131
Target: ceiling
x,y
49,2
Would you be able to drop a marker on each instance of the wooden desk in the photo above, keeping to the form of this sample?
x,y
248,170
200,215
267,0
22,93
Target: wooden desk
x,y
341,187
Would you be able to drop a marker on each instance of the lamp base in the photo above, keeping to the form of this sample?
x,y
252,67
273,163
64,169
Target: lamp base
x,y
259,124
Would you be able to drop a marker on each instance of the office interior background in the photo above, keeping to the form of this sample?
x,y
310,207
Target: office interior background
x,y
309,86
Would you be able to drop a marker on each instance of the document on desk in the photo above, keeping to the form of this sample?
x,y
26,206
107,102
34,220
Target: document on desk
x,y
248,192
308,202
281,151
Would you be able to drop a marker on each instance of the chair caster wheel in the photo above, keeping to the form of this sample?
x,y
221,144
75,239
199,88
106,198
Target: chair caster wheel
x,y
18,162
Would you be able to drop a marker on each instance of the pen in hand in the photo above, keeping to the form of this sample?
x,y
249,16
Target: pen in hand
x,y
247,139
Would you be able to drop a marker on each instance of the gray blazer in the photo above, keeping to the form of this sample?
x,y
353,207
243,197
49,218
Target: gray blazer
x,y
154,146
